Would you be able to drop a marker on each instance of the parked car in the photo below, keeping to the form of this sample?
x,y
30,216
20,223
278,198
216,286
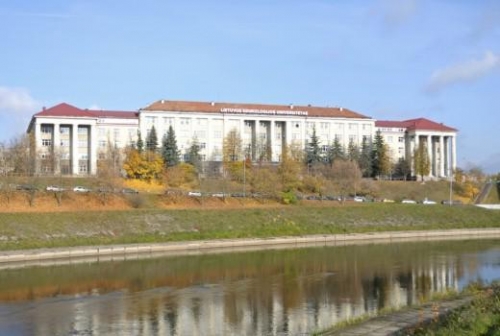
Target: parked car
x,y
218,194
54,188
358,199
194,193
408,201
428,201
81,189
129,191
27,187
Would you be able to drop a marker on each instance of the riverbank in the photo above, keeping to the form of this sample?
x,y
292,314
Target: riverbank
x,y
24,231
73,254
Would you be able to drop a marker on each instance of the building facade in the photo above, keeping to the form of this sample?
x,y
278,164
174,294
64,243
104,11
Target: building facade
x,y
404,137
71,141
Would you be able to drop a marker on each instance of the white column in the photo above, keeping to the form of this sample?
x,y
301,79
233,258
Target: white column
x,y
56,148
272,134
38,145
441,156
453,153
74,149
93,150
429,152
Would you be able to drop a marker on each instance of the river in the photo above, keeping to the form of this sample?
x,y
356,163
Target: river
x,y
270,292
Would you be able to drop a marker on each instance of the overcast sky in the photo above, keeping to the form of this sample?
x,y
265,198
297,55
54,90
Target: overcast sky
x,y
388,59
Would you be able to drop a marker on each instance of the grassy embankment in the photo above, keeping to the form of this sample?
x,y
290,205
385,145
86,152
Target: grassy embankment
x,y
77,228
481,317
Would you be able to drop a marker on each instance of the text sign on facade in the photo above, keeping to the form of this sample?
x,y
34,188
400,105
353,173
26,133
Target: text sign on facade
x,y
259,111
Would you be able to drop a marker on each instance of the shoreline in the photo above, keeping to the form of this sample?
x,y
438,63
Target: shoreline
x,y
21,258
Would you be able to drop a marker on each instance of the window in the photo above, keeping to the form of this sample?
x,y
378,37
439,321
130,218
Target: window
x,y
352,138
203,157
310,125
102,156
82,143
102,143
202,145
64,143
390,138
150,120
46,142
353,127
202,121
325,125
82,168
82,130
64,129
168,121
84,157
217,134
184,121
46,129
401,139
338,137
324,148
101,132
116,133
200,134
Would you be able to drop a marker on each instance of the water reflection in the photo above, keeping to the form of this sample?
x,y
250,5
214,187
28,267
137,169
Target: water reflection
x,y
285,292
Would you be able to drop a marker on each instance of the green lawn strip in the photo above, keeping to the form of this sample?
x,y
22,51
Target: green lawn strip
x,y
36,230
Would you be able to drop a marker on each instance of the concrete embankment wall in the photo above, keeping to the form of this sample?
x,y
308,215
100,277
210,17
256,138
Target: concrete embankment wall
x,y
231,245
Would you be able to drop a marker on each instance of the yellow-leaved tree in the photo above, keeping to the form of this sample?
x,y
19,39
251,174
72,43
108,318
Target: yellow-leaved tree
x,y
146,166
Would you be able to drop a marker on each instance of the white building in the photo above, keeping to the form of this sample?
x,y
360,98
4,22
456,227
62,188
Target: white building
x,y
261,127
69,140
403,137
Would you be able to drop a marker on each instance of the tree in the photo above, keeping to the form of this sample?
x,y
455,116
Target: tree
x,y
290,167
169,151
146,166
140,142
232,146
421,160
336,151
194,157
152,140
381,164
365,161
346,175
313,152
402,168
353,153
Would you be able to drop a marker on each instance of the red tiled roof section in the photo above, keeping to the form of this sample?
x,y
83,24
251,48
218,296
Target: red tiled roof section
x,y
422,124
208,107
427,125
64,110
67,110
114,114
390,123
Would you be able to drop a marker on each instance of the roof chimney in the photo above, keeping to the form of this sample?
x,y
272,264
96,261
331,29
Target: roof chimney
x,y
162,101
341,109
291,106
212,103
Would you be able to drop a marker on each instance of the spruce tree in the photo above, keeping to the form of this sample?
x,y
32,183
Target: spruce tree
x,y
152,140
365,162
380,158
353,153
169,151
140,142
194,157
313,152
335,152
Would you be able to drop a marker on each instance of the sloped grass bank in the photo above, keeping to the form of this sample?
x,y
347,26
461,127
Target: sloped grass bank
x,y
40,230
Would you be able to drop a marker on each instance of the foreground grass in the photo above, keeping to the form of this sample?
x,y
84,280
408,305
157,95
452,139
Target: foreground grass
x,y
39,230
481,317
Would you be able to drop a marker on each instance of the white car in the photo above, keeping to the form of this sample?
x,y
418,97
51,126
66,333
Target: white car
x,y
428,201
81,189
408,201
358,199
54,188
194,193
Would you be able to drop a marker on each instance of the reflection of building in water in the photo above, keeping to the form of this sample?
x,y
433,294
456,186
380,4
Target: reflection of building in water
x,y
292,305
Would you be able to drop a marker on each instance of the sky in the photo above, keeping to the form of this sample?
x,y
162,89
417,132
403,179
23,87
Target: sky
x,y
387,59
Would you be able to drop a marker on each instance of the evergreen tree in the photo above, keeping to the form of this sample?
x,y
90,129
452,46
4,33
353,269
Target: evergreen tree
x,y
365,161
169,151
380,159
353,153
140,142
194,157
421,159
313,152
152,140
336,152
402,168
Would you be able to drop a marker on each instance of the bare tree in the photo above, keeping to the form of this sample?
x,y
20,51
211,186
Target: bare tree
x,y
347,176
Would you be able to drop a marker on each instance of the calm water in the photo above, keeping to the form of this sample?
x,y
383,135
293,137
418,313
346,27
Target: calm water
x,y
272,292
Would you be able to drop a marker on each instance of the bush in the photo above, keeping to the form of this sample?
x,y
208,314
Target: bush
x,y
136,201
288,197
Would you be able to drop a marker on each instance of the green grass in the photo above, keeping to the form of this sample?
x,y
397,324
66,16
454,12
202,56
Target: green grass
x,y
37,230
481,317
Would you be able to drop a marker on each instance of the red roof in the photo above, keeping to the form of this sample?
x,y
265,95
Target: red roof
x,y
212,107
67,110
419,124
